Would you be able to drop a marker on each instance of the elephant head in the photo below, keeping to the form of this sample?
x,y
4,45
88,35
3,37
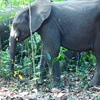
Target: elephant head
x,y
40,10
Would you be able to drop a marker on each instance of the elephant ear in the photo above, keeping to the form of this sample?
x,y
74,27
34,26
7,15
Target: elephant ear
x,y
40,10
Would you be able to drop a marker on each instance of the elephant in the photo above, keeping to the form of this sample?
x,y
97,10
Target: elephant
x,y
5,21
74,25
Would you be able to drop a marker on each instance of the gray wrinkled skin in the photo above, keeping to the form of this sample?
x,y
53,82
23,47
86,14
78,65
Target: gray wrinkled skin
x,y
72,24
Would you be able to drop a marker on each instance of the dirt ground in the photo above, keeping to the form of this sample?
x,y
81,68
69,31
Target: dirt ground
x,y
74,88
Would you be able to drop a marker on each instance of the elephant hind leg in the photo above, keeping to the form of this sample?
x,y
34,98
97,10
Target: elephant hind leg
x,y
96,79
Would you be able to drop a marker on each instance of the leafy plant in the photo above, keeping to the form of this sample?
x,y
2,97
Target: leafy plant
x,y
4,64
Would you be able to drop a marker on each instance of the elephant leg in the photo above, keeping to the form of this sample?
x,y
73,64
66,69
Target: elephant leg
x,y
96,79
53,65
56,72
50,36
48,56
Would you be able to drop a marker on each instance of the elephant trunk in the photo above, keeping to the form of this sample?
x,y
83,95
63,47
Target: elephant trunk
x,y
12,45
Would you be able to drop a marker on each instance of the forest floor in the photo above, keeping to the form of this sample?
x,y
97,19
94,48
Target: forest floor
x,y
76,88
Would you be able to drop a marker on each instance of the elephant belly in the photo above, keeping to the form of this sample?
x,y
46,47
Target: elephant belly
x,y
77,43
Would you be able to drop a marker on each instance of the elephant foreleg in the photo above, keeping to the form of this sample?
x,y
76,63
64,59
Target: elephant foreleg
x,y
46,63
56,71
53,65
